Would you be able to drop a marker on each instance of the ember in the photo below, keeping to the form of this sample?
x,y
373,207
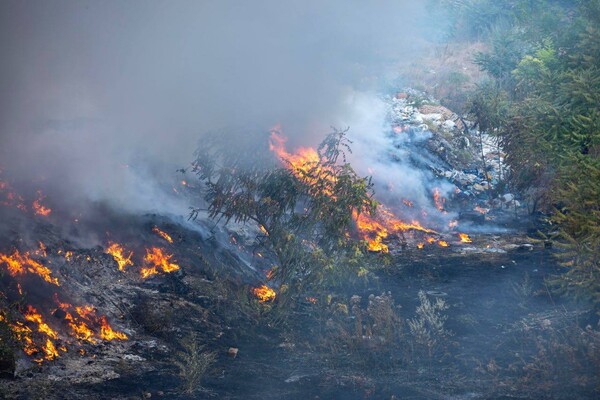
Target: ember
x,y
264,293
442,243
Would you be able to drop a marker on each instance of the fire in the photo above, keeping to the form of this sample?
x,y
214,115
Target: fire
x,y
118,253
50,350
438,199
464,238
302,163
157,260
264,293
11,197
372,229
420,245
18,264
162,234
107,333
442,243
263,230
33,316
270,274
373,232
375,229
481,210
42,250
38,207
82,331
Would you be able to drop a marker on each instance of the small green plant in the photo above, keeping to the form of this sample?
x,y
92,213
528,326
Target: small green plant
x,y
428,328
193,363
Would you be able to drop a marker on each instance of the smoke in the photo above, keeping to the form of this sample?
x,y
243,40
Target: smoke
x,y
397,163
101,100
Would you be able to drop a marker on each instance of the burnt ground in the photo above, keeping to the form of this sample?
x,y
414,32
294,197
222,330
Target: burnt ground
x,y
504,334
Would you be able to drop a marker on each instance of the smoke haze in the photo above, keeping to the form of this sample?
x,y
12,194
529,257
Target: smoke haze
x,y
98,97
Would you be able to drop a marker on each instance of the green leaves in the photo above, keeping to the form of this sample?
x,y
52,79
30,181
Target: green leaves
x,y
544,105
305,207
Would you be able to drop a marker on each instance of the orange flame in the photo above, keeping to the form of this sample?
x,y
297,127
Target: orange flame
x,y
42,250
39,208
420,245
372,229
157,260
162,234
18,264
50,350
264,293
82,331
438,199
442,243
465,238
303,164
117,252
11,198
107,333
481,210
32,315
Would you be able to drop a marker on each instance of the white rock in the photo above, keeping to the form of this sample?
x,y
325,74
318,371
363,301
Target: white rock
x,y
432,117
449,125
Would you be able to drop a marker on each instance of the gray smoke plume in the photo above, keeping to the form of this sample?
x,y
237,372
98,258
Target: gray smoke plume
x,y
103,99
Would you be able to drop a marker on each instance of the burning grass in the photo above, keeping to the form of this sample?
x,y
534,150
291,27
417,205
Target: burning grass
x,y
118,253
20,263
162,234
157,261
264,294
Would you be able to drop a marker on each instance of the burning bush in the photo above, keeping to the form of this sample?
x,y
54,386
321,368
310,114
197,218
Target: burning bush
x,y
305,208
